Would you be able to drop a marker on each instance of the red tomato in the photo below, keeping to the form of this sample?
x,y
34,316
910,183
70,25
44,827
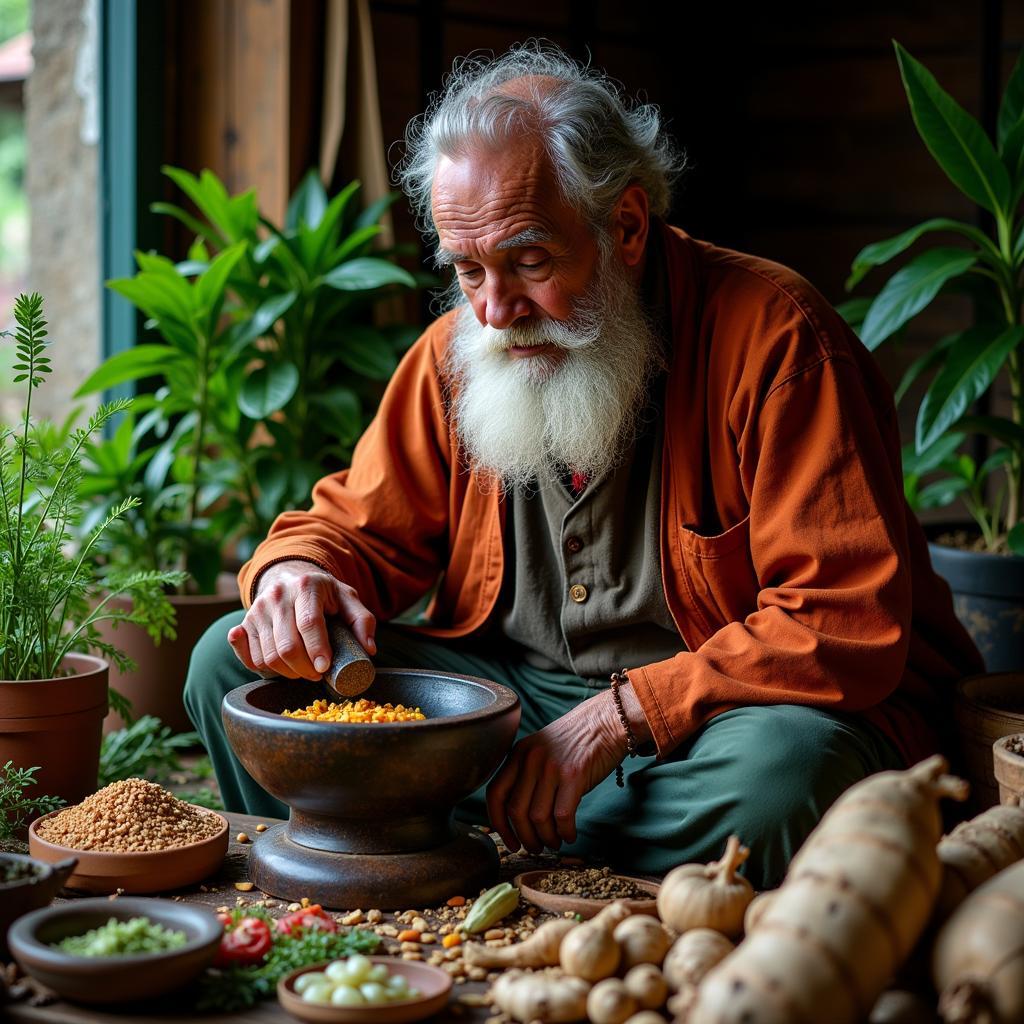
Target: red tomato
x,y
248,942
312,916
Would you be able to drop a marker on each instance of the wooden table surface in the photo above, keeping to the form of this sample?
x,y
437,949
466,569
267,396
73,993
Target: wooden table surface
x,y
218,892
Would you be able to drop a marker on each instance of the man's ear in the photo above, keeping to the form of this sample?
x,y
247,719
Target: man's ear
x,y
630,223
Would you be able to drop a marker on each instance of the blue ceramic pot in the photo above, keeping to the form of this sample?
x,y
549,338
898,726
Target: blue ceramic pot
x,y
988,595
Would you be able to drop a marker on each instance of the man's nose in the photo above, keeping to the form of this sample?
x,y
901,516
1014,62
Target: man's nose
x,y
503,305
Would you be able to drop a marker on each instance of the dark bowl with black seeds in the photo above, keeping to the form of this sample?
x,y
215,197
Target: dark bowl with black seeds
x,y
27,884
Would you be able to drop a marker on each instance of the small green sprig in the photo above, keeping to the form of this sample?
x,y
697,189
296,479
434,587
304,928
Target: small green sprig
x,y
15,807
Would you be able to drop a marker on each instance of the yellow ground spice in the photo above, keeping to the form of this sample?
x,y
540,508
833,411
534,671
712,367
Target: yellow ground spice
x,y
130,816
361,710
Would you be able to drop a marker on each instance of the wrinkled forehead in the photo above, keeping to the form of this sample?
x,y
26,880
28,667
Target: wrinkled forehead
x,y
488,196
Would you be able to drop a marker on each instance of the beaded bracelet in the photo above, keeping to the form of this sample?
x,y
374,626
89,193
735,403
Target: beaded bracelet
x,y
617,678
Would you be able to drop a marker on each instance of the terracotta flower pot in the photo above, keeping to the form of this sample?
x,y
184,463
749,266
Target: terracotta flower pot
x,y
155,687
57,725
1009,771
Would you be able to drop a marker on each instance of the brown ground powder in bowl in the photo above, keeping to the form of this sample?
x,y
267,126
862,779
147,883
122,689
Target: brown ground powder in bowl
x,y
591,883
131,816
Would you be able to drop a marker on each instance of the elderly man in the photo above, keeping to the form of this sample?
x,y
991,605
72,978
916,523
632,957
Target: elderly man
x,y
656,484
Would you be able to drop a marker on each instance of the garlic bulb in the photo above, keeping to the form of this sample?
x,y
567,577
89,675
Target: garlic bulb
x,y
610,1003
707,896
646,1017
647,985
756,908
612,915
692,955
642,940
589,951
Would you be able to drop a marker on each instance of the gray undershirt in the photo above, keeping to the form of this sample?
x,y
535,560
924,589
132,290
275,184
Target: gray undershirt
x,y
583,590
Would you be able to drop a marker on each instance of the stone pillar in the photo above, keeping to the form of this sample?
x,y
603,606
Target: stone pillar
x,y
62,104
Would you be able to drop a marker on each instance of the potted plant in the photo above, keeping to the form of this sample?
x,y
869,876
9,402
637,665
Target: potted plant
x,y
53,694
986,573
154,534
314,367
266,379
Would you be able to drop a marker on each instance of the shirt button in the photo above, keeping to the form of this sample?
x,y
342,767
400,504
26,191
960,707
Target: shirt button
x,y
578,593
574,545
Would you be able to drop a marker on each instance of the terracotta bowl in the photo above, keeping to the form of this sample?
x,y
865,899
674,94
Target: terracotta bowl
x,y
113,979
434,986
582,905
149,872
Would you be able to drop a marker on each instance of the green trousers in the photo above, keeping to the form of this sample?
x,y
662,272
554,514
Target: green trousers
x,y
766,773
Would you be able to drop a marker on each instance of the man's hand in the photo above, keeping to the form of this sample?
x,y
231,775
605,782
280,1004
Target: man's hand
x,y
284,633
532,800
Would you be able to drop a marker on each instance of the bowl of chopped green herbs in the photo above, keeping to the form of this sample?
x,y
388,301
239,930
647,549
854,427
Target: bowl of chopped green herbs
x,y
107,951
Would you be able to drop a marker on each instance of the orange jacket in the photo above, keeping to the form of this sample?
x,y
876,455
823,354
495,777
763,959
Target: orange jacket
x,y
792,565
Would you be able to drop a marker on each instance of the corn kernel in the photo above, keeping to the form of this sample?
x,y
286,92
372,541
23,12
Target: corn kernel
x,y
357,711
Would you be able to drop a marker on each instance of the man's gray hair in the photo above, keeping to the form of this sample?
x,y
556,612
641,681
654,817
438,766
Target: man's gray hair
x,y
597,141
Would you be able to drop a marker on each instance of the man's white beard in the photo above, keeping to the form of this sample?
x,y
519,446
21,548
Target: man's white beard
x,y
521,419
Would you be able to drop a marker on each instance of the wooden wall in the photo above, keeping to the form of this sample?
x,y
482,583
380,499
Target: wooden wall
x,y
243,91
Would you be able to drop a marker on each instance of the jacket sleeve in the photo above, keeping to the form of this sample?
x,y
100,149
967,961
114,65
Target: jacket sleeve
x,y
829,548
380,526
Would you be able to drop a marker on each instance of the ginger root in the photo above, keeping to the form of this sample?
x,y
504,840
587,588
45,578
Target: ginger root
x,y
539,950
975,851
548,997
854,902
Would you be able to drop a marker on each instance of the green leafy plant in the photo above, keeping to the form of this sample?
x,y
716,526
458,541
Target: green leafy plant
x,y
269,368
988,266
202,797
51,594
192,414
146,749
155,533
15,807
